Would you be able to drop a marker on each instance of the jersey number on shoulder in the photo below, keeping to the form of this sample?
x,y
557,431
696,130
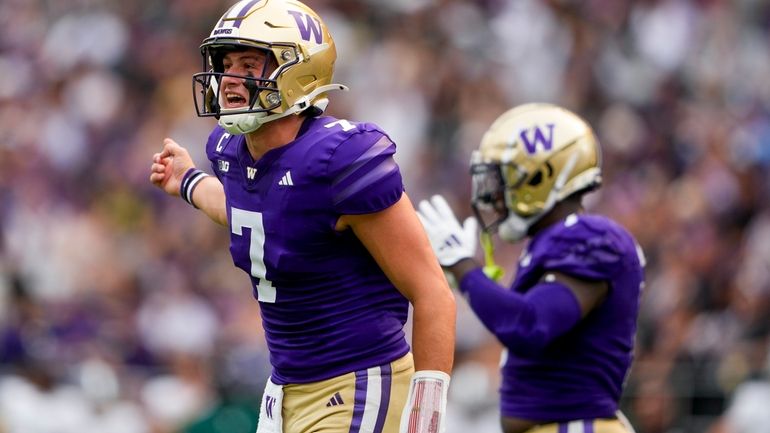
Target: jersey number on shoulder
x,y
253,220
342,123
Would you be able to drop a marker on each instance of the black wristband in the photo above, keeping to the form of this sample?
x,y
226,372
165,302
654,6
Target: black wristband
x,y
190,180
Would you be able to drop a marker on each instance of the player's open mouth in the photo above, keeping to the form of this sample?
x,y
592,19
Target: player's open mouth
x,y
235,100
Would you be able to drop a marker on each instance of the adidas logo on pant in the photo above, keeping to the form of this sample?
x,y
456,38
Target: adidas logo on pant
x,y
335,400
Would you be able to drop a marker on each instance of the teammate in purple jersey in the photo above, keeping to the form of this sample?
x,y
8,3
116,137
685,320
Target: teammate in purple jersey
x,y
319,220
568,321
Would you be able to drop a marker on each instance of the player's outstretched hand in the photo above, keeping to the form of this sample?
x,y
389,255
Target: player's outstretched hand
x,y
450,241
169,166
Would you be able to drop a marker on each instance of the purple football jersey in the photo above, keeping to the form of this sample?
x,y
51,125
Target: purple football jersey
x,y
580,374
327,308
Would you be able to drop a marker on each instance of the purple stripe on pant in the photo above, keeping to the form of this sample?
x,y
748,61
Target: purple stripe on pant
x,y
385,375
588,426
362,381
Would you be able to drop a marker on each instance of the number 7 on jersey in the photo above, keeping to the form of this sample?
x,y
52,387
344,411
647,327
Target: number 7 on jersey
x,y
239,219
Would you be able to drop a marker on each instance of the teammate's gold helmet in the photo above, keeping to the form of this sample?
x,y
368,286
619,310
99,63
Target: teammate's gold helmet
x,y
299,49
532,157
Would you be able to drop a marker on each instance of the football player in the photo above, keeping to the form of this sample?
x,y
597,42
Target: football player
x,y
319,220
567,322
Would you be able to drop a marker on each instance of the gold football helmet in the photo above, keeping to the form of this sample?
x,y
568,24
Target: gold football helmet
x,y
532,157
300,56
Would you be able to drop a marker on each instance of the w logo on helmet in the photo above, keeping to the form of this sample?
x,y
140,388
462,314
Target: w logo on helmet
x,y
308,25
531,139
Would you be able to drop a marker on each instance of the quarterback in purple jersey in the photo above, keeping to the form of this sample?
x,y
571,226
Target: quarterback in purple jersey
x,y
319,220
568,321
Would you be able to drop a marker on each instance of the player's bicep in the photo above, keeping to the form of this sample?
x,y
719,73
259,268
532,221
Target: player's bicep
x,y
589,293
396,240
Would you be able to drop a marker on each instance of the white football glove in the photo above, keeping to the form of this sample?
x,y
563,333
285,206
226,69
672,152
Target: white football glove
x,y
425,408
450,241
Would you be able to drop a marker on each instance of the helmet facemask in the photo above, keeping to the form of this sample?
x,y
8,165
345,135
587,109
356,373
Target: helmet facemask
x,y
488,192
263,93
500,192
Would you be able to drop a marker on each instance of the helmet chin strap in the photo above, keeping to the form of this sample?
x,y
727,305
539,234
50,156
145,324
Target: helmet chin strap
x,y
515,227
244,123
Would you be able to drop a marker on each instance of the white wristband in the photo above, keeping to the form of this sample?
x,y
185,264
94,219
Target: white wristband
x,y
431,374
425,408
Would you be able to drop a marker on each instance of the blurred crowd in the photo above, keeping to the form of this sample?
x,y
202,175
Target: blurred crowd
x,y
121,311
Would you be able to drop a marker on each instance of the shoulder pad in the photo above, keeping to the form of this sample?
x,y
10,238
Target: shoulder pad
x,y
590,247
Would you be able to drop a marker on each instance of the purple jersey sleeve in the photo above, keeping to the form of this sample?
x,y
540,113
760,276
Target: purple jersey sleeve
x,y
364,176
524,323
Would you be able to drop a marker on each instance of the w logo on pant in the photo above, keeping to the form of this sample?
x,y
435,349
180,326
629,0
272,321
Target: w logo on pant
x,y
531,140
269,405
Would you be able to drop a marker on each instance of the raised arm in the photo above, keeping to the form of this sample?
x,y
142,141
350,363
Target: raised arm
x,y
168,170
524,323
